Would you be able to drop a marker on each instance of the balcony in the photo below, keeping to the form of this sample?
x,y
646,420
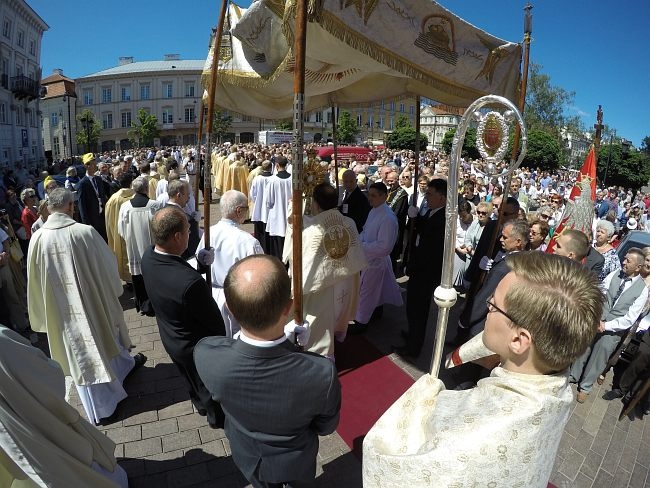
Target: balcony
x,y
24,87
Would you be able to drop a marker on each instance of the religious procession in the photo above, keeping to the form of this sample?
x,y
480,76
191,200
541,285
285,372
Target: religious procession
x,y
307,315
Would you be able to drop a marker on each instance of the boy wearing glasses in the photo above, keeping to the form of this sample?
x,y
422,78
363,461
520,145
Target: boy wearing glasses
x,y
507,429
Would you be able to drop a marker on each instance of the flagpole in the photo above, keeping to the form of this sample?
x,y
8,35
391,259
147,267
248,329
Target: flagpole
x,y
207,167
300,42
197,164
335,153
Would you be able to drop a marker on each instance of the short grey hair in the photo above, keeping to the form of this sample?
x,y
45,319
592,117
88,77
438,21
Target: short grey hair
x,y
140,185
607,226
26,193
230,201
59,199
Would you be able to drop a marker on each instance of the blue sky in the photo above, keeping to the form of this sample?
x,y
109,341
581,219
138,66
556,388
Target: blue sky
x,y
598,49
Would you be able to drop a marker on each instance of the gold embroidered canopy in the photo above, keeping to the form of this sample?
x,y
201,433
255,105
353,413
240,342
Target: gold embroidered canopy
x,y
358,51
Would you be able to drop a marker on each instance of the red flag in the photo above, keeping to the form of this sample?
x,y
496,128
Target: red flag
x,y
588,169
579,215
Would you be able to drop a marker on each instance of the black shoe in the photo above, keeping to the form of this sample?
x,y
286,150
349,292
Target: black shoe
x,y
613,395
108,420
139,359
406,352
357,328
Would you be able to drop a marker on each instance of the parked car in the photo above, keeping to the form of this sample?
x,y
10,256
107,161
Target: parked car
x,y
634,238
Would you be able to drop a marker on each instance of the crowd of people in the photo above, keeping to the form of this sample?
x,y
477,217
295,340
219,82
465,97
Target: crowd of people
x,y
131,220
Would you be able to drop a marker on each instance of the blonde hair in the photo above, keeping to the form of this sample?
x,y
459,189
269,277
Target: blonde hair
x,y
558,301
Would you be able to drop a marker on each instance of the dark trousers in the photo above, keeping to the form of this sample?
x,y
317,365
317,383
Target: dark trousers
x,y
276,246
639,369
259,231
418,300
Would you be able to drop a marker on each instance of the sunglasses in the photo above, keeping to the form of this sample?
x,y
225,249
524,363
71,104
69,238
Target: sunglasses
x,y
493,308
544,216
478,212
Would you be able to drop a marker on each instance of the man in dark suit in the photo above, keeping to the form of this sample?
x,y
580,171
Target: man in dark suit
x,y
92,197
354,204
277,400
183,303
425,265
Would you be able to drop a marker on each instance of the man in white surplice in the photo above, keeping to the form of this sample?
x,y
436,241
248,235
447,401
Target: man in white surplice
x,y
378,285
231,244
331,261
73,296
505,431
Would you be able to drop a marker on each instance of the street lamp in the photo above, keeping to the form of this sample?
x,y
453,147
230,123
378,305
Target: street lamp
x,y
66,98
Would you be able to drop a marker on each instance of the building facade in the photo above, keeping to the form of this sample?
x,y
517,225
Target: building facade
x,y
436,121
20,54
58,107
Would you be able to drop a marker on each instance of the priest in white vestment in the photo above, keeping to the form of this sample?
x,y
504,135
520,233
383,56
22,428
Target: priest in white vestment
x,y
276,200
505,432
231,244
134,226
378,285
332,258
43,440
73,296
115,240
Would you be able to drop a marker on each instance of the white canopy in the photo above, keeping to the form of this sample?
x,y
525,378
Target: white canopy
x,y
358,51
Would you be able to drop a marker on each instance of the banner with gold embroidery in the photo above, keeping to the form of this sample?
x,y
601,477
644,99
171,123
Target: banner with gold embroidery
x,y
358,51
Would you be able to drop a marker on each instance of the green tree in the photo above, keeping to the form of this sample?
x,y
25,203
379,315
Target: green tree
x,y
90,130
404,136
469,144
284,124
346,129
546,105
144,130
645,145
221,122
543,150
627,167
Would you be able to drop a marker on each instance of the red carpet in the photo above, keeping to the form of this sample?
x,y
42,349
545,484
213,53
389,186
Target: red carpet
x,y
370,383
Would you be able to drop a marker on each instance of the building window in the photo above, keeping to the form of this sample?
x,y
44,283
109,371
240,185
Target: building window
x,y
3,114
168,90
381,122
6,28
307,117
107,95
107,120
32,47
359,120
319,117
329,117
369,120
412,109
189,89
57,146
392,106
401,107
88,96
126,119
189,115
383,105
167,115
55,119
145,91
126,93
21,38
392,124
19,116
246,118
30,118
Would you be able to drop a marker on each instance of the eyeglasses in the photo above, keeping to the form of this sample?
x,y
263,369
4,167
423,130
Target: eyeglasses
x,y
544,216
493,308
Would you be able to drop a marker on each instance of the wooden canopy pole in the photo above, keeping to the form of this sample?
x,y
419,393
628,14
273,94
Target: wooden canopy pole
x,y
300,44
336,154
207,167
411,229
197,164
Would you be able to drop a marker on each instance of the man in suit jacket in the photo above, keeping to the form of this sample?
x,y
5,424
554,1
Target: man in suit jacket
x,y
354,204
185,309
92,197
425,264
277,400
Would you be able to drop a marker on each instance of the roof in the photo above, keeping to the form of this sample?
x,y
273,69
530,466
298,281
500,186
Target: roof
x,y
151,66
54,78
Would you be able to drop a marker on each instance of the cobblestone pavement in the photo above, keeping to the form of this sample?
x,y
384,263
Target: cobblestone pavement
x,y
162,442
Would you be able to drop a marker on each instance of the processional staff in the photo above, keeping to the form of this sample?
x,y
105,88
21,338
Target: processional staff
x,y
197,163
207,167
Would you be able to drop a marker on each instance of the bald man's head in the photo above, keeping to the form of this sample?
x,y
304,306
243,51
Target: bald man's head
x,y
349,179
258,292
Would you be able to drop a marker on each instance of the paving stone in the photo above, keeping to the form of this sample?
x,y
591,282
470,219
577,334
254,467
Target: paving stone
x,y
621,477
593,420
175,410
187,476
639,476
583,442
165,461
125,434
226,445
565,445
191,421
592,464
208,434
572,464
574,425
614,451
159,428
140,418
603,480
601,442
205,452
643,454
628,457
145,346
560,480
119,450
582,481
140,449
181,440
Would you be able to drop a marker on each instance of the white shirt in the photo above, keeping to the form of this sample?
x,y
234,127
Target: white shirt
x,y
627,320
258,343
